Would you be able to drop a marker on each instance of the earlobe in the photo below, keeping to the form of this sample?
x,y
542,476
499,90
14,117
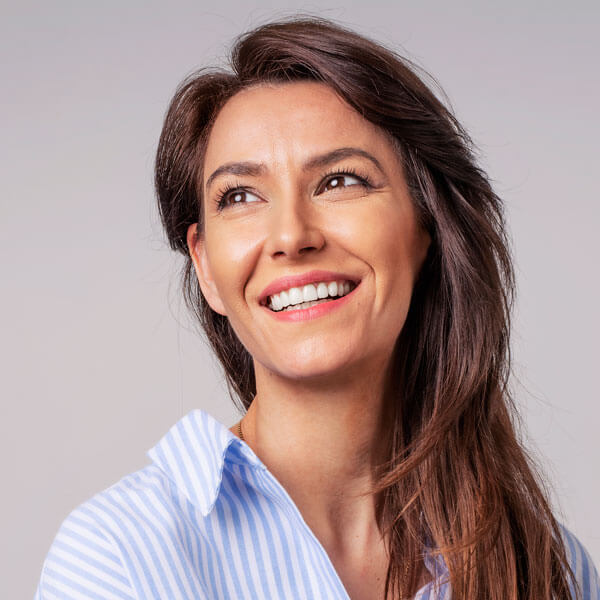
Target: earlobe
x,y
197,250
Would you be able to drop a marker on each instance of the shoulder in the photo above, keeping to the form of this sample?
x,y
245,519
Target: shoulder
x,y
94,551
582,565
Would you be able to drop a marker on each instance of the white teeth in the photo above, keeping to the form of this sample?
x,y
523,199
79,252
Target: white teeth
x,y
306,304
296,296
322,290
284,299
276,302
308,295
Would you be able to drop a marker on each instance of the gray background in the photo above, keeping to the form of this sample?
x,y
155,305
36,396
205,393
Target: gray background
x,y
98,353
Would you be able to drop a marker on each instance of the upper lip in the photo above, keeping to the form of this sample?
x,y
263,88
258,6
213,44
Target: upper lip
x,y
290,281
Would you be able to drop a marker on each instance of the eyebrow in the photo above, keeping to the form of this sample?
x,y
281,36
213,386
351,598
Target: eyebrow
x,y
254,169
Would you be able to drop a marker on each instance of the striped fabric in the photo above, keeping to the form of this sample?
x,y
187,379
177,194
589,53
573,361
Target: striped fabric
x,y
207,520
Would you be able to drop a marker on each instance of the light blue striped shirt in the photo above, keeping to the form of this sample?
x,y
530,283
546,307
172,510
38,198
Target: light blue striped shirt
x,y
206,520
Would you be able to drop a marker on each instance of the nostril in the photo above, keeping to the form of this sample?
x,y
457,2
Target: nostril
x,y
303,250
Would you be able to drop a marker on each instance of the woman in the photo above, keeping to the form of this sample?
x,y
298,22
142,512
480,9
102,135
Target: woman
x,y
348,262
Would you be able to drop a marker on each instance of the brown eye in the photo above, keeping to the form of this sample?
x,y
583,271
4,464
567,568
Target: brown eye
x,y
341,181
236,196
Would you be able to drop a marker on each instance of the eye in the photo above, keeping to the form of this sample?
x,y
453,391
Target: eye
x,y
340,180
235,195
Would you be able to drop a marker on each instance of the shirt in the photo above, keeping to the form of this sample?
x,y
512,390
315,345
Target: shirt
x,y
207,520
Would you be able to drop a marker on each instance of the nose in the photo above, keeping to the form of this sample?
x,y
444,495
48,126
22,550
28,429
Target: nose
x,y
294,229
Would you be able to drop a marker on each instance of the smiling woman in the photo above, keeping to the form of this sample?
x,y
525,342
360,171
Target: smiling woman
x,y
327,193
348,262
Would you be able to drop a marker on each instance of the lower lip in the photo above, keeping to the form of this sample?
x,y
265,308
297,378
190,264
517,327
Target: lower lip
x,y
314,312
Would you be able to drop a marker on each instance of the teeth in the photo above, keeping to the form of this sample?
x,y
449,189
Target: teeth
x,y
296,296
307,304
284,299
276,302
308,295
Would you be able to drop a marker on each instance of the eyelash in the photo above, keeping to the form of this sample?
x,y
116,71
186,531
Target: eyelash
x,y
223,192
351,172
231,187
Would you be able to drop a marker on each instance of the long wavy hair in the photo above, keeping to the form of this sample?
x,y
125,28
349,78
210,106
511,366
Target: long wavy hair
x,y
458,479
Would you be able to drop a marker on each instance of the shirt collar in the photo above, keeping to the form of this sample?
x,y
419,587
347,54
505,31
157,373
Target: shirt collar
x,y
193,454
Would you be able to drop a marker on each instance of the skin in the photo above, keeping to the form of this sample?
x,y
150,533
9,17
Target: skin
x,y
318,421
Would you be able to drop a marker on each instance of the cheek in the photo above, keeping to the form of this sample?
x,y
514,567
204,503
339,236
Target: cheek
x,y
395,247
404,250
231,253
388,232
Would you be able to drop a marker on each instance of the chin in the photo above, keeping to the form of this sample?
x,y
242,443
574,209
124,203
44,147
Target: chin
x,y
317,369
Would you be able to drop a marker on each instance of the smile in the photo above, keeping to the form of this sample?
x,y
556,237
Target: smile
x,y
298,298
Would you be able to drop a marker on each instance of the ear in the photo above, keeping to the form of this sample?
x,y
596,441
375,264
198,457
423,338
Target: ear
x,y
197,251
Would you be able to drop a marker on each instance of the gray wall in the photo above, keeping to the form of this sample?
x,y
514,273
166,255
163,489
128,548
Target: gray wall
x,y
98,352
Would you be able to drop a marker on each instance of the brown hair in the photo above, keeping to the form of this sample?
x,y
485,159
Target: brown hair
x,y
458,479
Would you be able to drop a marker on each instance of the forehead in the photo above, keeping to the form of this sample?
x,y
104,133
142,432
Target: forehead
x,y
283,122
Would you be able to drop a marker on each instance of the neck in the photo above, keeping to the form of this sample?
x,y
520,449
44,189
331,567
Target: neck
x,y
322,442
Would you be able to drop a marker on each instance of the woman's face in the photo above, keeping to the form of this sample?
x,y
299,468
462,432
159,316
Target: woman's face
x,y
296,181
